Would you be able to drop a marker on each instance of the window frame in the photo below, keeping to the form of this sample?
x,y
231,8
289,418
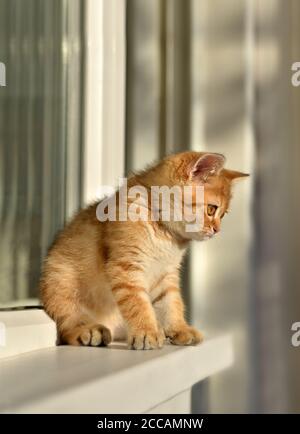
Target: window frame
x,y
104,104
104,107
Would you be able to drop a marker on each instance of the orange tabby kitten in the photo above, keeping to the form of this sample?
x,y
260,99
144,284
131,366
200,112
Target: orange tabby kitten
x,y
110,279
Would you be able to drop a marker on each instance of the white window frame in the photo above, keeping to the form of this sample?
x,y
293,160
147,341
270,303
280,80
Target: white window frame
x,y
104,145
104,158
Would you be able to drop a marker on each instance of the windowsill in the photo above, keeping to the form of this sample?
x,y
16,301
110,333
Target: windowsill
x,y
24,331
106,380
97,380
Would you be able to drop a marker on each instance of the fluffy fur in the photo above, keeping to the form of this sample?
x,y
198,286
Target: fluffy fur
x,y
107,280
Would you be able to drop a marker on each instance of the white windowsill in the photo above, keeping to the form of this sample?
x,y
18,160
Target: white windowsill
x,y
25,330
39,377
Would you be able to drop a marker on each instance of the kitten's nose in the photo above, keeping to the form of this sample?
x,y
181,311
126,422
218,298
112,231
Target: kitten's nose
x,y
216,229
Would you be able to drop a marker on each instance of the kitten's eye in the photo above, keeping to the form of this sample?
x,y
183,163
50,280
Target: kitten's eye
x,y
211,210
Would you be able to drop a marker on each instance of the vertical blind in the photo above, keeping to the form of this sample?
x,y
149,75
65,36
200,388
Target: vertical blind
x,y
186,89
41,45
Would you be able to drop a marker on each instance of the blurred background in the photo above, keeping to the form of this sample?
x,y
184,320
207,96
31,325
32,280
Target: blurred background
x,y
90,97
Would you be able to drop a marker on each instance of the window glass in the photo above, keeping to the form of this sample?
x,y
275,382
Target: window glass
x,y
41,47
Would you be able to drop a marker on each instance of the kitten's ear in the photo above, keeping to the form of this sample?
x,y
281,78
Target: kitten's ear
x,y
233,175
206,166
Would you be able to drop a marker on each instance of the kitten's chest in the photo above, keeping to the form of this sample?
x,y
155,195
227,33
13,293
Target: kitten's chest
x,y
165,258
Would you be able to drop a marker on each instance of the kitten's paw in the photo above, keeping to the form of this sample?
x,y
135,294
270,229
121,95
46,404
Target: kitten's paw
x,y
185,336
146,340
89,335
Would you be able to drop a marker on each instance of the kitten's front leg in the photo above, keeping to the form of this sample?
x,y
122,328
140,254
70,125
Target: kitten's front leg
x,y
136,308
169,309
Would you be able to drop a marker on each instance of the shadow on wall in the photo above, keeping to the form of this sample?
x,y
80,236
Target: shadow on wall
x,y
199,398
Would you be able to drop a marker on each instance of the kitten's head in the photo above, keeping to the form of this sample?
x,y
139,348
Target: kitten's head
x,y
206,170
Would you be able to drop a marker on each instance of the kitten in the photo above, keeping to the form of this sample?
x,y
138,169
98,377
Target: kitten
x,y
110,279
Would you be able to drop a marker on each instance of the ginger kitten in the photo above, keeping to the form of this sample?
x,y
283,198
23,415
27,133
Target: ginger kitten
x,y
104,280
